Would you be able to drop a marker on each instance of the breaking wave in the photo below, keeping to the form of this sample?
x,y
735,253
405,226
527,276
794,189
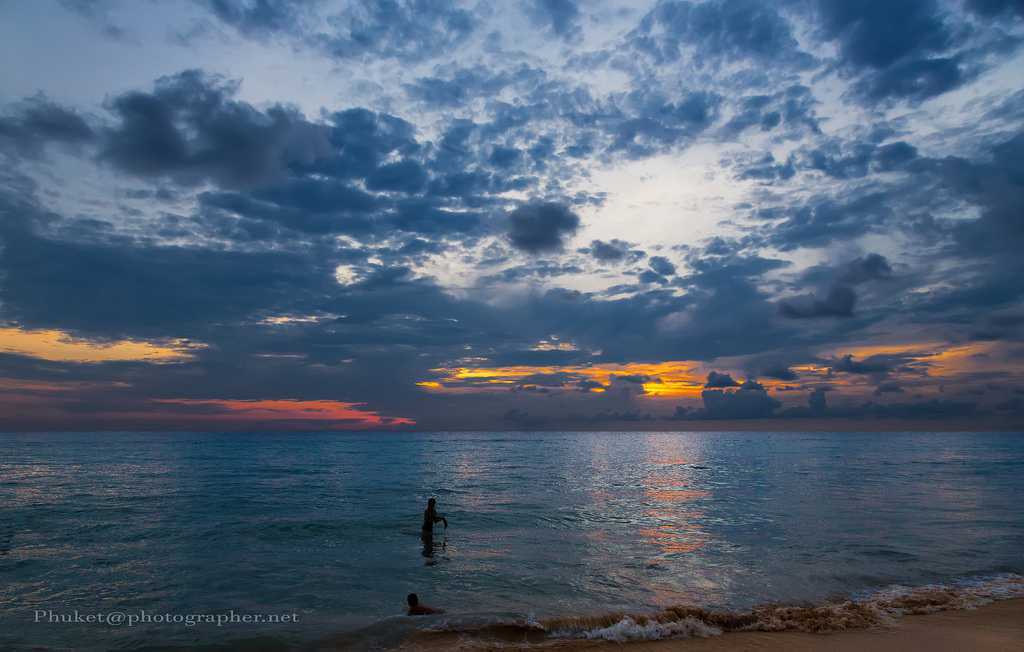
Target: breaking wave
x,y
881,607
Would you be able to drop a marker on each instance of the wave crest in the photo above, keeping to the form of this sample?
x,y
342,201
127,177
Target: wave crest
x,y
880,607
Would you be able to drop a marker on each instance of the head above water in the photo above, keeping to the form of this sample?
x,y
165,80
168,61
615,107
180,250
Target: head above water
x,y
412,599
431,503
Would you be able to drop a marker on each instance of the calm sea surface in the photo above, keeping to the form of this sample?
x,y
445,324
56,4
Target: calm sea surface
x,y
326,526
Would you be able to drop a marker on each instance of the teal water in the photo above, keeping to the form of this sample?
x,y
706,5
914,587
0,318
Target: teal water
x,y
326,526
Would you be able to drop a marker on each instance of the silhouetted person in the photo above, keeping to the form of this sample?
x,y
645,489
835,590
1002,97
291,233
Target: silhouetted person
x,y
429,547
430,516
417,609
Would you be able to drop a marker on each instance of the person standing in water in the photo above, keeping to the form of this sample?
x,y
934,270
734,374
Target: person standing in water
x,y
430,516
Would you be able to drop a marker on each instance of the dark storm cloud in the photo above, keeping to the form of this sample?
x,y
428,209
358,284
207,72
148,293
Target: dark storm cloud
x,y
718,30
190,130
636,379
648,276
987,184
865,269
121,287
779,373
766,168
915,80
29,126
318,207
362,140
613,251
252,197
918,410
894,155
998,187
550,120
817,402
888,388
402,176
872,267
401,29
358,172
715,316
792,109
839,302
716,379
823,220
509,355
311,195
541,226
876,364
462,85
1006,325
836,296
530,272
878,34
834,158
851,165
661,265
905,50
750,401
655,123
987,244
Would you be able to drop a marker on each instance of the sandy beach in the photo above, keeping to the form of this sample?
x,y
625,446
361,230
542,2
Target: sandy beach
x,y
994,627
998,626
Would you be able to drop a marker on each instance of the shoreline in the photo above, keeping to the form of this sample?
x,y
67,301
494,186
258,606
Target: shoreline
x,y
996,626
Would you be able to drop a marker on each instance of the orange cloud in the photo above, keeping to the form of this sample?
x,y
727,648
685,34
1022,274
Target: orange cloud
x,y
59,346
667,379
284,410
927,363
931,360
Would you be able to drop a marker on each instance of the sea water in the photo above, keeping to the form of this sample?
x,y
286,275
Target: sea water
x,y
325,527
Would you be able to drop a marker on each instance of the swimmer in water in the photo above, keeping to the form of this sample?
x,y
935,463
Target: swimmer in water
x,y
430,516
417,609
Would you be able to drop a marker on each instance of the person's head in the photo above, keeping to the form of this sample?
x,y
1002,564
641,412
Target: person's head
x,y
431,503
412,599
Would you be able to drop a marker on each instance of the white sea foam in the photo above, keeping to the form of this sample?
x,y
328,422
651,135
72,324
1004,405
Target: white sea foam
x,y
628,629
880,607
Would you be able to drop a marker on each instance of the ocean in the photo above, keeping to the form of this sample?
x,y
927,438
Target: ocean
x,y
548,534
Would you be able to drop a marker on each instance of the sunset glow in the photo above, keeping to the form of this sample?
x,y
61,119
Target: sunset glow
x,y
321,413
548,214
59,346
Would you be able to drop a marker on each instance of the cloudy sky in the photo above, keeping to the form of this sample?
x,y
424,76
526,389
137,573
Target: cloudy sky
x,y
224,214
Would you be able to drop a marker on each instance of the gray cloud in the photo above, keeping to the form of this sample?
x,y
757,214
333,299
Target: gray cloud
x,y
542,226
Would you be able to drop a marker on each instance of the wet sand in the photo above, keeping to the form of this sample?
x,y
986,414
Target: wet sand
x,y
994,627
997,626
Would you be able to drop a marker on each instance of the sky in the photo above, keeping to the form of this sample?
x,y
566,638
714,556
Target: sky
x,y
549,214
